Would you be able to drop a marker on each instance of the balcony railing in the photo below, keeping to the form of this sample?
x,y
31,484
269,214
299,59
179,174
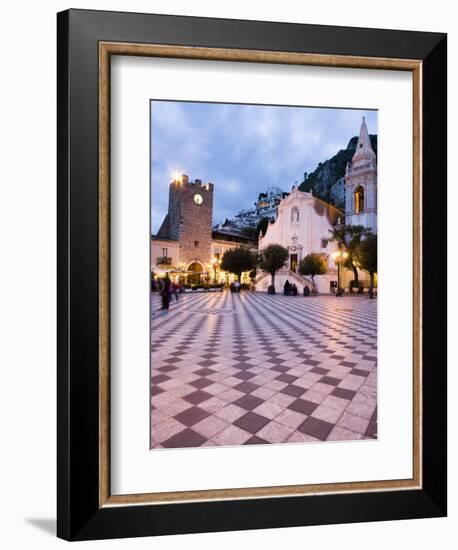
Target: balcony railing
x,y
164,261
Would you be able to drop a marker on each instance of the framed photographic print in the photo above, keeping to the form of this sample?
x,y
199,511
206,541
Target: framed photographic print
x,y
250,330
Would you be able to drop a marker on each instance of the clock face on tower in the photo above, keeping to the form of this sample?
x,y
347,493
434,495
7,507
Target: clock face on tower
x,y
198,199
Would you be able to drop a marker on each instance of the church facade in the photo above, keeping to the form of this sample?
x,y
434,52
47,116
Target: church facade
x,y
303,226
305,222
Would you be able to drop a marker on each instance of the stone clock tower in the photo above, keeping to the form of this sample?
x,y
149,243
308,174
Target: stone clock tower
x,y
189,220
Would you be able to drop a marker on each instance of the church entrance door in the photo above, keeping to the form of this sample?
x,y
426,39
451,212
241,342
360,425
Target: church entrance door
x,y
293,262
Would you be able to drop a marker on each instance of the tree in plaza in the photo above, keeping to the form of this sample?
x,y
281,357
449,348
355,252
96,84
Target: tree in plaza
x,y
237,260
366,258
313,264
271,259
348,238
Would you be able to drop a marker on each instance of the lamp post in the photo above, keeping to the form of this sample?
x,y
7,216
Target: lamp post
x,y
339,257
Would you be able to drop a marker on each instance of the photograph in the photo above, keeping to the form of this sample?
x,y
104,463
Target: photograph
x,y
264,283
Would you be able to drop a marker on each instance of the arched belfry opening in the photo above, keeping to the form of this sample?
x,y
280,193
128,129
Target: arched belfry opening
x,y
359,199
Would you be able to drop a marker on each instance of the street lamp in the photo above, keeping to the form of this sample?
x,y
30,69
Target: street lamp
x,y
339,257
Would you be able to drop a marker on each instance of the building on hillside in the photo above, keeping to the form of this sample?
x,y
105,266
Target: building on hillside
x,y
302,226
361,184
265,207
185,246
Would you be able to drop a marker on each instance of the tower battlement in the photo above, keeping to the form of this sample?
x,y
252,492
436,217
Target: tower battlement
x,y
183,180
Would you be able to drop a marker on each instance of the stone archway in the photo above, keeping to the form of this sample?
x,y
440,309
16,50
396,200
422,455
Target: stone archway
x,y
195,277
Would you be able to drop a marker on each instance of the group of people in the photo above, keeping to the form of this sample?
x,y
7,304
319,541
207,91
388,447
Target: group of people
x,y
289,289
167,289
235,286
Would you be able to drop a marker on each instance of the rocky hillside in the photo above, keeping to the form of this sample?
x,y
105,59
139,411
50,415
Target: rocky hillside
x,y
328,172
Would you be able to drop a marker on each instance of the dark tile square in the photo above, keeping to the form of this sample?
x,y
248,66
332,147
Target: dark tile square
x,y
306,356
248,402
319,370
204,372
191,416
295,391
159,378
167,368
186,438
244,375
359,372
347,364
330,380
246,387
242,366
281,368
207,363
302,406
343,393
255,440
201,383
156,390
251,422
274,359
197,397
170,360
316,428
287,378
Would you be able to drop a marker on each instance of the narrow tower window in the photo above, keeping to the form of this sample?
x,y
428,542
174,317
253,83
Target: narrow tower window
x,y
359,199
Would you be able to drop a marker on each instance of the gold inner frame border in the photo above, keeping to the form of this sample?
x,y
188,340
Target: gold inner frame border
x,y
106,50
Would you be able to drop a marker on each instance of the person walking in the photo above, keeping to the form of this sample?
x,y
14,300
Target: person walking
x,y
166,292
176,289
286,288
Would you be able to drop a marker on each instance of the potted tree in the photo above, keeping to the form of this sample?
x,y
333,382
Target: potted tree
x,y
311,265
366,257
271,259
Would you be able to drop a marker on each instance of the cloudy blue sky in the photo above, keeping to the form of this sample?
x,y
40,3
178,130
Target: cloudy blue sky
x,y
242,149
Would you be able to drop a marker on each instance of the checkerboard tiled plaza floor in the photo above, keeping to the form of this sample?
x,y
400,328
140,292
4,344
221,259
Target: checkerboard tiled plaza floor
x,y
232,369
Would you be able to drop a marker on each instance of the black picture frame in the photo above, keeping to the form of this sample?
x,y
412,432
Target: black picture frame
x,y
80,516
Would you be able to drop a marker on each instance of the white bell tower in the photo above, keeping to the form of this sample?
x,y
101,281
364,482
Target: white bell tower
x,y
361,184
